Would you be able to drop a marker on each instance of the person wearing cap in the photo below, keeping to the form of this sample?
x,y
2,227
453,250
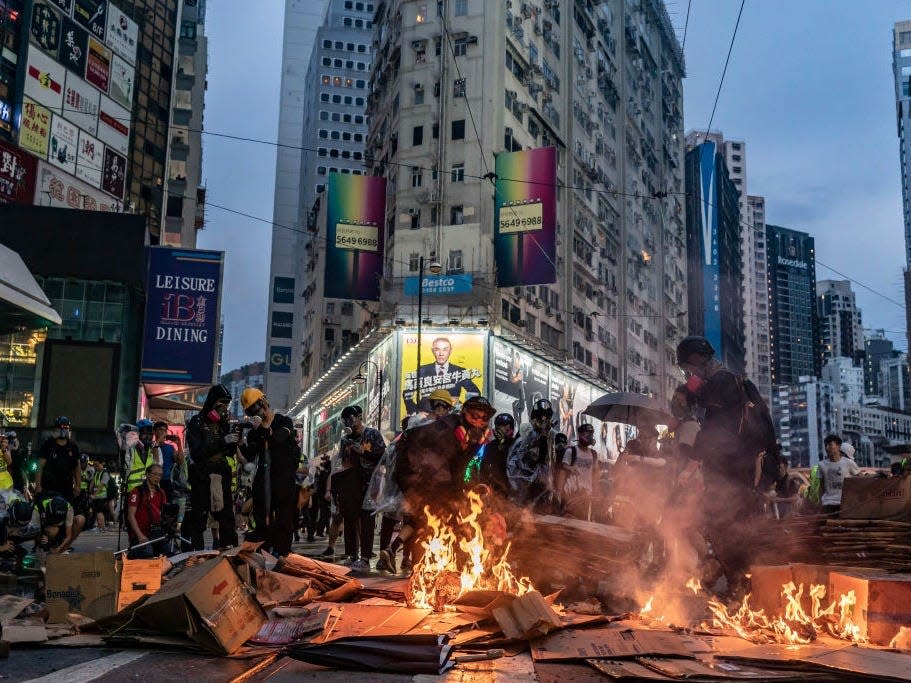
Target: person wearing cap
x,y
271,433
576,474
56,512
59,468
360,451
141,455
832,472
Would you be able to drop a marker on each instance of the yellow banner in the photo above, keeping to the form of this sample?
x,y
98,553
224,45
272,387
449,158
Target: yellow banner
x,y
453,361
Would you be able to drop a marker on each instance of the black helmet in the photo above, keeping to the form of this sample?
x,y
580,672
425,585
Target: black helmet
x,y
586,427
20,512
504,420
62,421
694,345
56,509
217,393
352,411
542,408
478,403
560,439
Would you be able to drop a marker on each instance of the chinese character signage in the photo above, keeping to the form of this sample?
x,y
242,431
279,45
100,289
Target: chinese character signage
x,y
44,79
525,222
35,128
453,361
711,271
89,159
354,234
98,65
53,187
64,137
122,34
183,295
17,175
74,48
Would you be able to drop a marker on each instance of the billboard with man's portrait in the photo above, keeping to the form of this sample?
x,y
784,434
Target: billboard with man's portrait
x,y
453,361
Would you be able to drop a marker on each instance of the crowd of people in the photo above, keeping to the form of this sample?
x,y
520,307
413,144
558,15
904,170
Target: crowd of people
x,y
251,475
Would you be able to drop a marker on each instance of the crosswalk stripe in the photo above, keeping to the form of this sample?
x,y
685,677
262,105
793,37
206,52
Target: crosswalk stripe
x,y
89,671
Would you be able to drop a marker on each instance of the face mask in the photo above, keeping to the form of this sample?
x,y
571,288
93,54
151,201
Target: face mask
x,y
503,433
146,439
63,433
349,421
541,423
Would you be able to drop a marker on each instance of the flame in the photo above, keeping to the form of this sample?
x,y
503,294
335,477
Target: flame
x,y
472,567
694,585
648,606
795,626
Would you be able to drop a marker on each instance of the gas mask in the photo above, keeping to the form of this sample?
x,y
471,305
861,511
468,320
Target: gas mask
x,y
542,423
146,438
63,433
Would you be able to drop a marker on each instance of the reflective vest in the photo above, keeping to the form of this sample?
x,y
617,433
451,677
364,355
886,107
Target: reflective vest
x,y
138,466
99,490
815,487
84,484
232,463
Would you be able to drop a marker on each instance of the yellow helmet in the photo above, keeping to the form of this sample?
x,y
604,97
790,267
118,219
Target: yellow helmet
x,y
250,396
441,395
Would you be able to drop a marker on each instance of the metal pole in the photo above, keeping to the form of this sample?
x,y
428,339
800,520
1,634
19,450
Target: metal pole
x,y
417,370
379,412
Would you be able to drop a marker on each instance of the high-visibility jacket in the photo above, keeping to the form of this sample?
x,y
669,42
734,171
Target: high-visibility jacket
x,y
99,486
815,488
232,463
140,459
84,484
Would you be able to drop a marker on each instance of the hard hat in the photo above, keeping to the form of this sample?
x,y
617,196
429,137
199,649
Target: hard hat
x,y
250,396
441,395
479,403
694,345
144,424
62,421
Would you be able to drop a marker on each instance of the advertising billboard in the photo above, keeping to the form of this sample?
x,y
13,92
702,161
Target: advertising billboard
x,y
74,48
45,28
92,15
519,379
711,271
440,284
81,104
453,361
122,34
44,79
280,359
183,296
283,290
114,170
53,187
17,175
525,220
89,159
354,236
35,128
381,379
282,324
64,141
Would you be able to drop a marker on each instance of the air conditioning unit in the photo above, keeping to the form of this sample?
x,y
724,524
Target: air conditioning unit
x,y
559,318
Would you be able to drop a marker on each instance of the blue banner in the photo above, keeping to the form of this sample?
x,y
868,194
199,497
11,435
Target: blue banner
x,y
440,284
183,301
711,270
283,290
280,359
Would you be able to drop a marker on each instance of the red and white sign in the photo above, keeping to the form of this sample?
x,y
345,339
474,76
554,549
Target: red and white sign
x,y
55,188
17,175
114,125
89,159
62,152
44,79
80,103
98,65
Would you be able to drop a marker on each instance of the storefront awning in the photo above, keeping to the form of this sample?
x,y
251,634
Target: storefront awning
x,y
23,304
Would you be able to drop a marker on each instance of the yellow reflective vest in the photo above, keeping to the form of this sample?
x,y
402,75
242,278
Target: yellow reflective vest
x,y
140,459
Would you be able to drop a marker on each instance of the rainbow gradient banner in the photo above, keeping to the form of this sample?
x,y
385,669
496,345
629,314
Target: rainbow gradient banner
x,y
525,221
354,236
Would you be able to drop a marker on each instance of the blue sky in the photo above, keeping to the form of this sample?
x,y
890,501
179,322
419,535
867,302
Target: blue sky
x,y
809,89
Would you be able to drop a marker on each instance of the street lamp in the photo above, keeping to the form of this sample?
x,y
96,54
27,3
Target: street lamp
x,y
435,268
362,377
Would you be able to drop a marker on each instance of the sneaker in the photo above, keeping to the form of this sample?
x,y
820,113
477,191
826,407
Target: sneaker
x,y
328,552
360,566
386,563
348,562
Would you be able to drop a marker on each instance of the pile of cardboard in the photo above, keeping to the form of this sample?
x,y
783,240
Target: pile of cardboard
x,y
863,542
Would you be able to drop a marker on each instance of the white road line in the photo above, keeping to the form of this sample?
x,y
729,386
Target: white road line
x,y
89,671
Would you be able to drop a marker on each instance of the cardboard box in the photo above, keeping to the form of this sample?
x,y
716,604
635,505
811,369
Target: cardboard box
x,y
767,581
883,601
209,604
876,498
81,582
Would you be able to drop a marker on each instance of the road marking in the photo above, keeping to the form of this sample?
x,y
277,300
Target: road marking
x,y
89,671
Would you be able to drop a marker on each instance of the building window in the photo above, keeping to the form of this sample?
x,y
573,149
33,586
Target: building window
x,y
458,87
458,129
457,214
414,262
419,94
336,99
460,47
322,151
360,83
454,264
461,8
435,131
417,136
339,45
361,48
338,63
324,97
458,173
421,15
417,176
359,101
327,61
415,219
324,116
323,133
327,44
347,21
321,170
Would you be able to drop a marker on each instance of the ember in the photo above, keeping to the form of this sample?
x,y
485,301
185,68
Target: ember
x,y
457,560
795,626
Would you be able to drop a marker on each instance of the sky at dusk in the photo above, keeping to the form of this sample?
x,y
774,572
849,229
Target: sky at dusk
x,y
809,89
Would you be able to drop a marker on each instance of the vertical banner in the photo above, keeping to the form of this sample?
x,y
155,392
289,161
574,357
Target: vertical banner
x,y
525,222
453,361
519,380
711,271
380,385
354,236
183,296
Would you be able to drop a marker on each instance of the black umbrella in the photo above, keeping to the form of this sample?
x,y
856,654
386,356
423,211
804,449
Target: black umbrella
x,y
628,407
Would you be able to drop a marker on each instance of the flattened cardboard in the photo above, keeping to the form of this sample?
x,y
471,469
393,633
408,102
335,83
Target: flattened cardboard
x,y
207,603
273,588
883,601
876,498
30,630
11,606
613,642
356,619
81,582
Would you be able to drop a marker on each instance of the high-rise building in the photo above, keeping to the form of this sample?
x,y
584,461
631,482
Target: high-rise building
x,y
714,266
235,381
846,377
794,337
877,348
901,72
456,83
895,385
186,196
302,20
841,331
804,412
756,317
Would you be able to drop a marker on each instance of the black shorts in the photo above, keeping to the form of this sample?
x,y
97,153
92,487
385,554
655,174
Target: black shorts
x,y
99,506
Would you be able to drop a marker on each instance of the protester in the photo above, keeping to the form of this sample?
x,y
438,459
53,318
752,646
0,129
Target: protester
x,y
577,474
335,516
728,459
171,453
210,439
832,473
98,493
59,470
319,505
530,464
786,490
145,504
57,512
180,483
6,464
141,455
20,522
493,466
272,442
19,466
441,403
360,450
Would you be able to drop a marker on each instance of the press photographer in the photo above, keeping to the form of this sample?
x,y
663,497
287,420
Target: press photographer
x,y
145,505
19,523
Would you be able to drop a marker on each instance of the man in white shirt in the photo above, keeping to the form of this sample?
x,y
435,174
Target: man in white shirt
x,y
833,472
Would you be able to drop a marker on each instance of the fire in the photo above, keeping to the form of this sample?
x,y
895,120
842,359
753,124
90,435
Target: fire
x,y
648,606
455,563
795,626
694,585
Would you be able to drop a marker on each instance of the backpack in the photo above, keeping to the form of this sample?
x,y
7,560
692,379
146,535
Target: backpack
x,y
572,458
757,430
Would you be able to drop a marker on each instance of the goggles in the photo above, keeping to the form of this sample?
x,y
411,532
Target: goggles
x,y
439,405
255,409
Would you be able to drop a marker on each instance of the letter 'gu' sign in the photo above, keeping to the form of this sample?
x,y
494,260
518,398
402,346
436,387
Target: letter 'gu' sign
x,y
183,301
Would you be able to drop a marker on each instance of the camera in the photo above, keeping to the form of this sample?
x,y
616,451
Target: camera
x,y
168,524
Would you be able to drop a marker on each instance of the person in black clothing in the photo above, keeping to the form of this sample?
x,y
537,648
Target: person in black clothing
x,y
531,460
59,469
319,504
210,439
493,466
729,470
271,442
360,451
19,465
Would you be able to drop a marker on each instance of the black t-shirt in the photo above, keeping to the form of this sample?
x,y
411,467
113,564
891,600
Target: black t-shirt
x,y
60,463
